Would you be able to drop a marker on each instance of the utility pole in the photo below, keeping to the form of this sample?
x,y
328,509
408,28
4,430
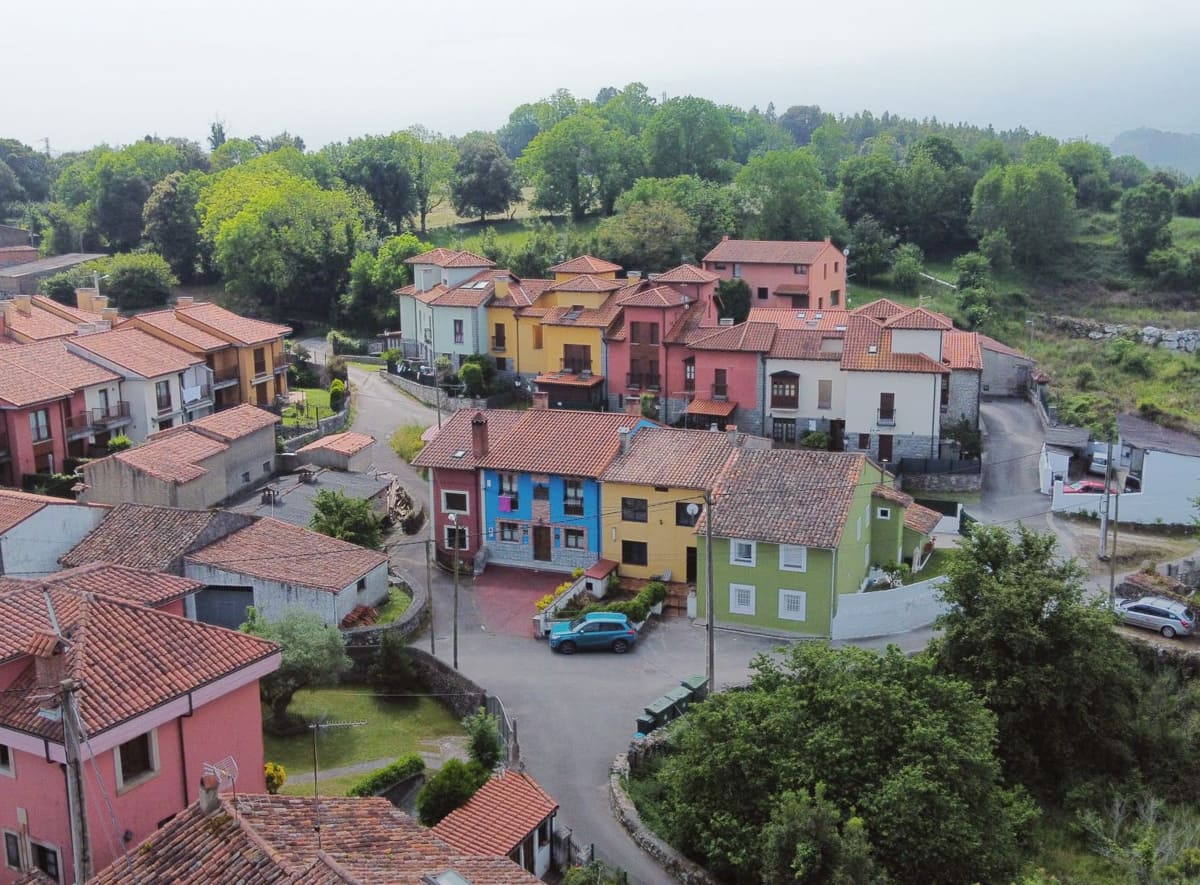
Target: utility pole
x,y
77,810
1112,559
429,585
457,536
1108,471
708,590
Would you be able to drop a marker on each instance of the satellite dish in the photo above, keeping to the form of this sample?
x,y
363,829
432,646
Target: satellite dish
x,y
225,771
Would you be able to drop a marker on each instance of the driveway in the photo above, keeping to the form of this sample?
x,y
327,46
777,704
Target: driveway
x,y
1012,445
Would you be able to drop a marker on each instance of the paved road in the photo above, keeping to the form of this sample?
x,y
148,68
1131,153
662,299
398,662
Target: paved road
x,y
1012,446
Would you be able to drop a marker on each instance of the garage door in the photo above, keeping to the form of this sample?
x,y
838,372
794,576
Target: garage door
x,y
224,606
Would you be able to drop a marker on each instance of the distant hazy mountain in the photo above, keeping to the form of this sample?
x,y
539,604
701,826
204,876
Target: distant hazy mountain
x,y
1171,150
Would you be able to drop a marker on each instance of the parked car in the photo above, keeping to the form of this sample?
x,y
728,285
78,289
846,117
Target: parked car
x,y
1167,616
603,630
1089,487
1099,462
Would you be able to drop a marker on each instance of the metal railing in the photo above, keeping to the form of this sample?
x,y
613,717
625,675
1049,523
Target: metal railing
x,y
225,375
785,402
205,393
885,417
79,422
102,417
576,366
642,381
573,507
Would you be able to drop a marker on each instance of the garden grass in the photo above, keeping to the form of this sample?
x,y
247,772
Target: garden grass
x,y
938,565
301,785
316,405
397,604
407,442
393,728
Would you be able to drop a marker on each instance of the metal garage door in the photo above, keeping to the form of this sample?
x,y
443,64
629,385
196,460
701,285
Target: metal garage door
x,y
224,606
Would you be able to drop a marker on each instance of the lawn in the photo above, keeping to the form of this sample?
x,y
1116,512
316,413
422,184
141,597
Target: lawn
x,y
300,783
407,442
316,405
397,604
938,565
393,728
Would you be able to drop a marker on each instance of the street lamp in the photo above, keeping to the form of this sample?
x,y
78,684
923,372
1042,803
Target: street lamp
x,y
694,511
457,536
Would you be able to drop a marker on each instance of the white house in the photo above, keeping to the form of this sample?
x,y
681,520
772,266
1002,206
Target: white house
x,y
444,311
35,530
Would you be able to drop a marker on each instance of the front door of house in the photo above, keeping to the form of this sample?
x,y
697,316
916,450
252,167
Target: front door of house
x,y
885,447
837,435
541,543
691,565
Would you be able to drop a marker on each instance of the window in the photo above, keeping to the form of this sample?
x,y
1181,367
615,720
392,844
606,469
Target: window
x,y
162,395
362,584
537,338
634,510
720,385
689,373
643,333
741,599
835,296
454,502
577,357
792,605
573,497
683,517
166,424
500,340
45,859
762,293
458,331
39,425
502,364
783,430
266,466
573,539
12,851
456,537
836,265
801,270
825,394
719,266
6,760
742,552
945,393
864,440
246,476
509,483
541,492
634,553
887,408
510,531
884,512
260,361
137,760
737,271
793,558
785,390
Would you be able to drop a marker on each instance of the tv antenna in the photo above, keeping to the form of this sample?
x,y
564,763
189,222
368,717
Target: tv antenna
x,y
225,771
315,727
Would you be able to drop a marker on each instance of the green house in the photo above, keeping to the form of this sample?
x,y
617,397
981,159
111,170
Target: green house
x,y
795,530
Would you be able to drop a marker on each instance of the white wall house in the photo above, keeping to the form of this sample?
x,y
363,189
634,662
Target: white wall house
x,y
897,410
36,530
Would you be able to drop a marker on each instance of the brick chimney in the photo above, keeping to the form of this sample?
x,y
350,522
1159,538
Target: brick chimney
x,y
479,435
49,660
185,301
541,400
209,802
110,314
623,436
85,298
22,304
725,238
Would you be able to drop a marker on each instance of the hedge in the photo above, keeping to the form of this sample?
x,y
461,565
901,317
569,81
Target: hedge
x,y
382,778
636,609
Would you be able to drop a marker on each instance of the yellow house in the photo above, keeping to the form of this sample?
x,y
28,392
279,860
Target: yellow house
x,y
514,325
652,495
585,264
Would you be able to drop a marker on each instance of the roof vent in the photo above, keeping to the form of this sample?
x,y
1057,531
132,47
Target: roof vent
x,y
726,321
818,315
460,453
800,314
839,328
872,349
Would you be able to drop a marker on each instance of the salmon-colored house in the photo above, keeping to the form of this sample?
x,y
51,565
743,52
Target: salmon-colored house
x,y
152,696
782,273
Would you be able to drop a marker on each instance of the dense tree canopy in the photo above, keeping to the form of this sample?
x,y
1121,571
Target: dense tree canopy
x,y
688,136
485,181
783,197
1033,204
172,223
1143,216
348,519
647,236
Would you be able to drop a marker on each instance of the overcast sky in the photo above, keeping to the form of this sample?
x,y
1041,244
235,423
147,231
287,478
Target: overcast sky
x,y
80,72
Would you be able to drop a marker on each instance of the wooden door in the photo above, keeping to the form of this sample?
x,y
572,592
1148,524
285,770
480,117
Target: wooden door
x,y
885,447
691,565
541,543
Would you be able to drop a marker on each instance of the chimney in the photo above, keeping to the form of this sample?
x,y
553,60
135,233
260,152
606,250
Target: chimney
x,y
541,400
85,297
209,802
185,301
633,275
479,436
50,666
725,238
501,280
99,303
109,314
623,436
731,431
22,303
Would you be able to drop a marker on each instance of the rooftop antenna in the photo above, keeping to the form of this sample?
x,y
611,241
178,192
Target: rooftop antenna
x,y
314,727
225,771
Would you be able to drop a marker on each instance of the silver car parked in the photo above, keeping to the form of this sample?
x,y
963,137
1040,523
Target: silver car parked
x,y
1167,616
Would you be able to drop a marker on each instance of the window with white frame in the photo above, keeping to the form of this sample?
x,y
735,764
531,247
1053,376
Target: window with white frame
x,y
573,539
12,850
884,512
136,760
741,599
858,528
45,858
454,502
742,552
6,760
793,558
510,531
456,537
793,605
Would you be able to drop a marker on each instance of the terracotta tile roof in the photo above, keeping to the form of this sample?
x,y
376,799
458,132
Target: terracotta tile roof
x,y
16,507
743,337
895,496
66,311
455,436
794,344
659,296
687,325
51,360
349,443
785,496
601,568
918,318
222,323
128,658
711,408
999,347
585,264
592,317
587,283
687,273
19,387
829,320
139,586
172,457
534,311
522,293
147,537
498,817
136,351
868,348
791,289
474,292
558,441
568,379
921,519
881,309
960,350
166,321
39,324
450,258
428,296
232,424
278,551
662,456
767,251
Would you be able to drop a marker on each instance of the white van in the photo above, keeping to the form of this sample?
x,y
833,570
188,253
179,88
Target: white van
x,y
1099,464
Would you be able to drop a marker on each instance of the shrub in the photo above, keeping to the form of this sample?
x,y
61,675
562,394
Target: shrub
x,y
908,264
119,444
545,602
391,672
337,393
336,368
471,375
450,788
407,442
816,439
636,609
340,343
276,776
484,745
382,778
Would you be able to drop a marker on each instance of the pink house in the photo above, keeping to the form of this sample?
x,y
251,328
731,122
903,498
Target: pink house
x,y
727,375
153,697
782,273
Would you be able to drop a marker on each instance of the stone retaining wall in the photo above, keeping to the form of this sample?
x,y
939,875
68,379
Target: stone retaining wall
x,y
941,482
1185,340
428,395
332,424
370,637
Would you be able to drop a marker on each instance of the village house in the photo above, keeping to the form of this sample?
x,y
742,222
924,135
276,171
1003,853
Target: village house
x,y
444,311
35,530
783,273
66,659
24,279
27,319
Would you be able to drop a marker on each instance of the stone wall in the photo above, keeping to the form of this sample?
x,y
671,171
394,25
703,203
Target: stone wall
x,y
1186,340
333,424
941,482
964,398
369,638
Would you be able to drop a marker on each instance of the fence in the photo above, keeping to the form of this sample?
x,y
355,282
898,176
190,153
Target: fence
x,y
887,612
970,466
508,730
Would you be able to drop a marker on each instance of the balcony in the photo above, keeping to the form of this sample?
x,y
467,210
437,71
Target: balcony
x,y
885,417
197,394
642,381
720,392
115,413
499,344
226,377
577,367
785,402
79,425
573,507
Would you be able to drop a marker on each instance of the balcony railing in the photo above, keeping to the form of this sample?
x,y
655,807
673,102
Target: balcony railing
x,y
260,369
80,423
576,366
225,376
115,413
499,343
886,418
573,507
204,392
720,391
642,381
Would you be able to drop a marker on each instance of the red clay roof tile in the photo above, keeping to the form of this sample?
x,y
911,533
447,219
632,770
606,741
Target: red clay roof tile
x,y
767,251
662,456
222,323
585,264
137,351
148,537
498,817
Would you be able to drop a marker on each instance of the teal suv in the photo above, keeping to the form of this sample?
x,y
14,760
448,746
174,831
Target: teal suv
x,y
607,631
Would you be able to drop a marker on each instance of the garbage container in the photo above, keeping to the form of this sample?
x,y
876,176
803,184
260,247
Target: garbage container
x,y
698,686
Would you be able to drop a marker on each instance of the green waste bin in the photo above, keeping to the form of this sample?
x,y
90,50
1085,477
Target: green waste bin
x,y
698,686
681,699
661,710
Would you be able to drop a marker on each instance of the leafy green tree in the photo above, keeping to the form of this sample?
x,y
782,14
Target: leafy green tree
x,y
382,165
871,185
688,136
994,246
908,751
581,161
313,655
471,375
972,270
871,248
1035,205
452,787
1143,218
137,280
391,671
29,167
433,159
784,198
370,302
278,142
831,145
10,189
1127,171
1087,166
647,236
484,744
339,516
734,299
630,109
521,128
172,221
709,204
908,263
233,152
754,135
802,120
119,185
1042,657
807,839
485,179
216,135
936,186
